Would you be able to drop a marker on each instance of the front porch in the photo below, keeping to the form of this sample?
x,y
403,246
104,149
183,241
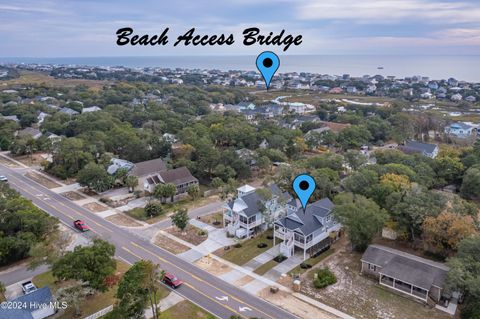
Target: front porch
x,y
404,287
310,246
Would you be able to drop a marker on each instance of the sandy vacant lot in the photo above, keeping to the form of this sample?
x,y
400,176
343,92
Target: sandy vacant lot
x,y
361,296
122,220
42,180
170,244
212,266
95,207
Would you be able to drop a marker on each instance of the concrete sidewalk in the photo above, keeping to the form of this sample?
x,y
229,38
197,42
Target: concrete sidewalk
x,y
169,301
263,258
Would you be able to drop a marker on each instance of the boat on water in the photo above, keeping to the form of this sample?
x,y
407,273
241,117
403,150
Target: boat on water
x,y
380,68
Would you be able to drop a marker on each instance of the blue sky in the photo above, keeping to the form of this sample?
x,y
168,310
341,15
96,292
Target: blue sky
x,y
57,28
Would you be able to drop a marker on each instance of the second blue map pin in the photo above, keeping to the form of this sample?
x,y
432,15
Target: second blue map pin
x,y
304,186
268,63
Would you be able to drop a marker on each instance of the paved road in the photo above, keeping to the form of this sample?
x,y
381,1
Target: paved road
x,y
20,273
199,286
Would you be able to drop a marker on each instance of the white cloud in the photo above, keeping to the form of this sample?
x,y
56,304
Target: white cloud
x,y
384,11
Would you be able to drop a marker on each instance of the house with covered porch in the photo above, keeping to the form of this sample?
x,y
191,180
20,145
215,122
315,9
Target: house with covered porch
x,y
252,212
407,274
310,231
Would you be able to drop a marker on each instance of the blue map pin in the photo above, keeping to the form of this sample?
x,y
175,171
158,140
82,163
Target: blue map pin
x,y
304,186
267,63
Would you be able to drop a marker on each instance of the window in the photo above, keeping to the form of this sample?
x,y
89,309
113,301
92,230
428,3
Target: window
x,y
372,267
243,219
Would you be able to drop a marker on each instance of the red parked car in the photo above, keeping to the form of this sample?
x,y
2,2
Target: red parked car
x,y
170,280
80,225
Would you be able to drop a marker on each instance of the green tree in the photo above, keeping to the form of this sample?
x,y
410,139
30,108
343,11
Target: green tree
x,y
216,183
91,265
164,191
95,177
354,137
180,219
354,159
193,191
74,295
131,182
471,183
361,217
138,289
464,274
153,209
361,182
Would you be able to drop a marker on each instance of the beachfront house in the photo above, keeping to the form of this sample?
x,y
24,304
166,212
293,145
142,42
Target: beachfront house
x,y
254,210
310,232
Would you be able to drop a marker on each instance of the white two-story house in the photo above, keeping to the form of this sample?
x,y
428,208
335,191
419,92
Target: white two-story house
x,y
310,231
251,212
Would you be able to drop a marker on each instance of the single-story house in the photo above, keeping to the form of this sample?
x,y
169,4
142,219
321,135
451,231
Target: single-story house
x,y
35,305
10,118
116,164
414,276
180,177
91,109
460,130
309,231
31,132
68,111
426,149
147,169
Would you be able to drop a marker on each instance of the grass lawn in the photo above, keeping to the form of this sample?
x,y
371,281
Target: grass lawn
x,y
312,261
139,214
248,250
91,304
185,309
265,267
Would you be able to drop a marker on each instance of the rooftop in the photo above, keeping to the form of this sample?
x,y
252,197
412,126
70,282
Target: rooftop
x,y
406,267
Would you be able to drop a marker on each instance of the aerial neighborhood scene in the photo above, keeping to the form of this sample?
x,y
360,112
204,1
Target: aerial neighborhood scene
x,y
255,179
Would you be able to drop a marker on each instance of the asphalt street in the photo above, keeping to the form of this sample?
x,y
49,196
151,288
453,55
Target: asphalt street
x,y
207,291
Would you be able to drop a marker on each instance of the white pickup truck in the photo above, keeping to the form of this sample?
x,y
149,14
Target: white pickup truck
x,y
28,287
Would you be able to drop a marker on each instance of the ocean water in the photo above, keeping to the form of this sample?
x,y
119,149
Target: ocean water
x,y
436,67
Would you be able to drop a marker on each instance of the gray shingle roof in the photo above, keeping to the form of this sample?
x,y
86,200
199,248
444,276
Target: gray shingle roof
x,y
177,176
148,167
308,222
32,301
254,201
420,147
408,268
461,125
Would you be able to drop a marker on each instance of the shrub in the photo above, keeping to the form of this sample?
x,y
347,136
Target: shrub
x,y
153,209
270,237
202,232
305,266
262,245
280,258
105,200
323,278
238,245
